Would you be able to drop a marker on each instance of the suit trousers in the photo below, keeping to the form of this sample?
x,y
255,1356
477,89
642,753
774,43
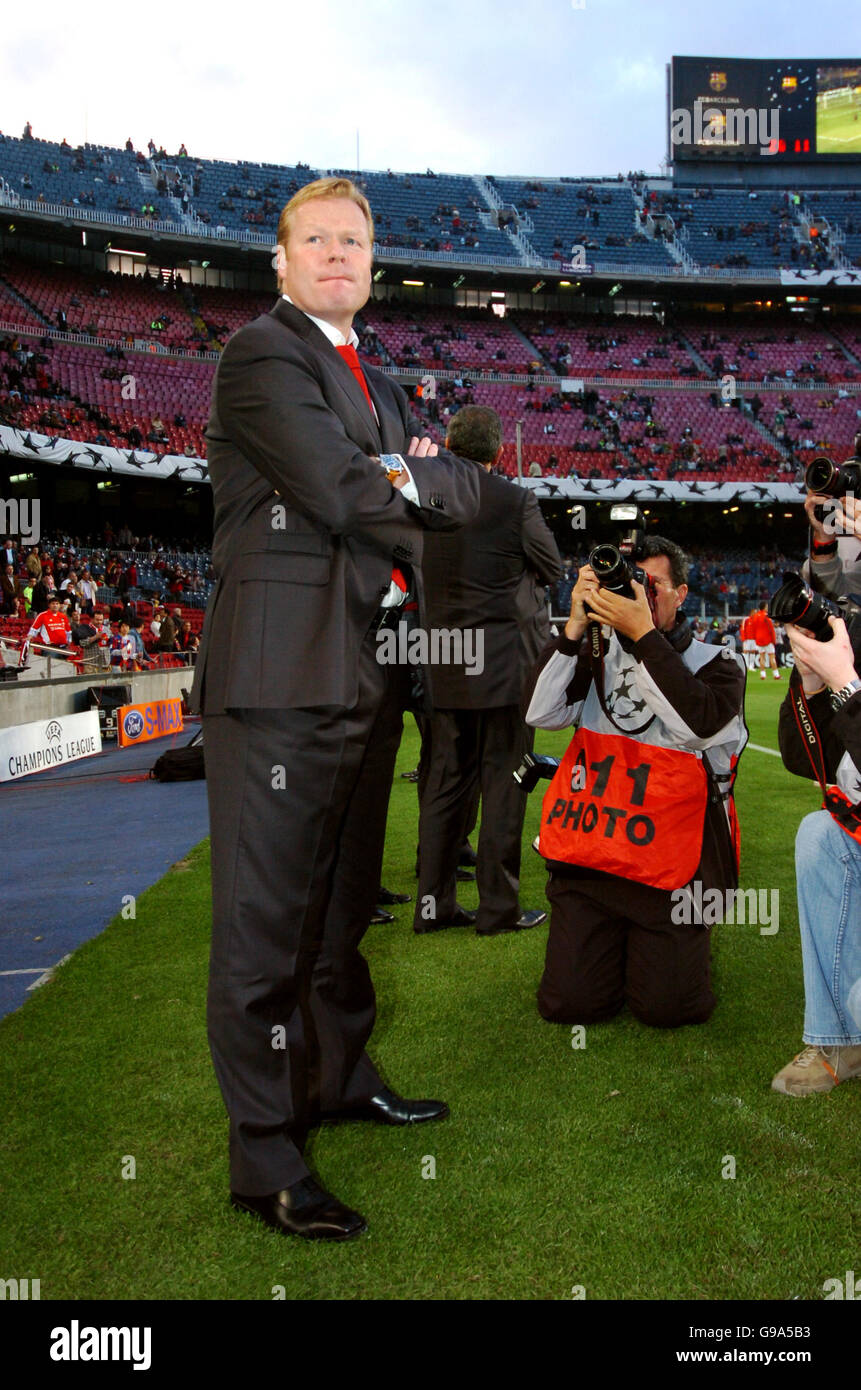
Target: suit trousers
x,y
612,942
472,750
298,801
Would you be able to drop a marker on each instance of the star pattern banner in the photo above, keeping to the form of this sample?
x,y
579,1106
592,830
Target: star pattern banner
x,y
631,490
43,448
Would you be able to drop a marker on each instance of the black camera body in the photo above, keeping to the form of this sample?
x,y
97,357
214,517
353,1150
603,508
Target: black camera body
x,y
831,479
533,768
795,602
614,571
615,565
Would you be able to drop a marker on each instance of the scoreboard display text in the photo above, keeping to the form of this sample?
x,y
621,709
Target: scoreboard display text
x,y
783,109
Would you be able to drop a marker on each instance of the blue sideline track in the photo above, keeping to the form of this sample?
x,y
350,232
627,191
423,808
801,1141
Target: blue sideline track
x,y
75,840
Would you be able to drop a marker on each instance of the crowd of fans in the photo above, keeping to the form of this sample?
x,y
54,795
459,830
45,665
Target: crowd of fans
x,y
93,588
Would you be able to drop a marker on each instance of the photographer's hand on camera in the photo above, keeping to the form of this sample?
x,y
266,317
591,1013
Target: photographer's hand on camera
x,y
586,586
819,532
842,517
631,617
823,663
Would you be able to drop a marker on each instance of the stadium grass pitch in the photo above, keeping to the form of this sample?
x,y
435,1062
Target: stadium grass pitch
x,y
601,1167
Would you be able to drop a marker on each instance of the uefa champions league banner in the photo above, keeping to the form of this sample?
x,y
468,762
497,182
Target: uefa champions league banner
x,y
28,748
44,448
632,490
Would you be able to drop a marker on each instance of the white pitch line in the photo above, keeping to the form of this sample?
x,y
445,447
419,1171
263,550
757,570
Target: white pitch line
x,y
38,970
48,974
760,748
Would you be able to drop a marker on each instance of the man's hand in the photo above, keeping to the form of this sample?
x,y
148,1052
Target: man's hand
x,y
842,516
815,499
630,616
585,587
422,448
832,662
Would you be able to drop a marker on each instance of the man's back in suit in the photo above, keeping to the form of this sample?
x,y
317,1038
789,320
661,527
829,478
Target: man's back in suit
x,y
485,579
483,576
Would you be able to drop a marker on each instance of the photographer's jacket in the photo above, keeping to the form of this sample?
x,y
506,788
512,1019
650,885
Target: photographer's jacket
x,y
838,735
644,791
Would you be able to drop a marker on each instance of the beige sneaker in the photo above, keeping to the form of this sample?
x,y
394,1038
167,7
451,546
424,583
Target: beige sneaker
x,y
818,1069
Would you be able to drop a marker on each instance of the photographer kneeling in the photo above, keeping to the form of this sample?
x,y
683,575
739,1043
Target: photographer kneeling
x,y
820,737
640,806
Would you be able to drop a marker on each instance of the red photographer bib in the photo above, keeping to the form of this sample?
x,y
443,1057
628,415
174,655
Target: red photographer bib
x,y
626,808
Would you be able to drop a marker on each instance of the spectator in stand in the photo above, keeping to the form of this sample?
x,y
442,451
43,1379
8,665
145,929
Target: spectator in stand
x,y
123,649
140,654
11,591
186,636
535,470
86,591
168,639
158,618
33,564
9,555
51,627
27,594
42,592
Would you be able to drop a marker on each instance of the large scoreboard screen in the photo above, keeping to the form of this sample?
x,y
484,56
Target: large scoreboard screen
x,y
783,109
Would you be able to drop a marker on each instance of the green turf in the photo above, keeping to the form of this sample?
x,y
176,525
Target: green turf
x,y
838,128
598,1167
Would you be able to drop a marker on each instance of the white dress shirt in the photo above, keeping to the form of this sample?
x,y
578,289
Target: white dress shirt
x,y
395,596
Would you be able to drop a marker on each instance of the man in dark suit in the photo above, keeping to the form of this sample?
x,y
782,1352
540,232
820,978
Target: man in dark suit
x,y
486,582
314,550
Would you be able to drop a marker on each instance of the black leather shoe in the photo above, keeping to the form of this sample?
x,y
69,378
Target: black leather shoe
x,y
412,776
533,918
388,898
381,918
304,1209
460,918
389,1109
464,876
467,857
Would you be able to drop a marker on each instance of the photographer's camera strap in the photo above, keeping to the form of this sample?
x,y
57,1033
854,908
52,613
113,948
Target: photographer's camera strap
x,y
836,802
628,808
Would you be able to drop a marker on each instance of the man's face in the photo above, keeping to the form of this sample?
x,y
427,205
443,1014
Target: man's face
x,y
669,599
326,266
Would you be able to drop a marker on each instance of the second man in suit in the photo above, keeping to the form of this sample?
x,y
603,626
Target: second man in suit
x,y
485,581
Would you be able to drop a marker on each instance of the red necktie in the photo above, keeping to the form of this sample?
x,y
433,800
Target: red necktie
x,y
351,357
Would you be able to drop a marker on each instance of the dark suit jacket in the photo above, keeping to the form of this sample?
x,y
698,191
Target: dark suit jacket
x,y
490,575
307,527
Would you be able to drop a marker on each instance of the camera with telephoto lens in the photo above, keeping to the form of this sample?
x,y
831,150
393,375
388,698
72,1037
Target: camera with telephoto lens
x,y
533,768
834,479
795,602
613,565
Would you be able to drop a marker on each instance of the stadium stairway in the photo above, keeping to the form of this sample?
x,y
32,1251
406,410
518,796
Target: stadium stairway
x,y
695,354
768,435
533,348
843,346
26,303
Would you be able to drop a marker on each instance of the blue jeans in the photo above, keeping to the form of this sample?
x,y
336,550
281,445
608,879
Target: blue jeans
x,y
828,873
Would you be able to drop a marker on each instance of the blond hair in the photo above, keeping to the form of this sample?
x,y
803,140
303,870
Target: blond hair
x,y
324,188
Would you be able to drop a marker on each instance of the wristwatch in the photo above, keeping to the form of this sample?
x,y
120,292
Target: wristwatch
x,y
393,464
839,697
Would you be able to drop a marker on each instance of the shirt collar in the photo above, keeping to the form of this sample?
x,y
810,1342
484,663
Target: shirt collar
x,y
335,338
